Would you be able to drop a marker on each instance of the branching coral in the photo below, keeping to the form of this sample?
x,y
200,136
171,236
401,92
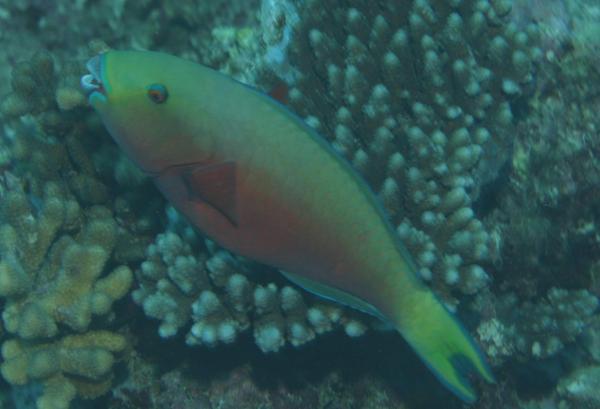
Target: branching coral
x,y
581,388
538,329
218,32
66,288
73,365
52,277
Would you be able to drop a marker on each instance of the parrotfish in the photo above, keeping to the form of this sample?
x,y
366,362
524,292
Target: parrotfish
x,y
256,179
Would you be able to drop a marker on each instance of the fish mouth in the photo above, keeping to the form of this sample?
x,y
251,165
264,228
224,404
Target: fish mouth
x,y
92,82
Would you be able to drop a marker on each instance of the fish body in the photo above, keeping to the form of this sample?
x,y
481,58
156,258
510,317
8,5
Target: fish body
x,y
256,179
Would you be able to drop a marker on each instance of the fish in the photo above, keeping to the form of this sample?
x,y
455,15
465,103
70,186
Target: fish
x,y
253,177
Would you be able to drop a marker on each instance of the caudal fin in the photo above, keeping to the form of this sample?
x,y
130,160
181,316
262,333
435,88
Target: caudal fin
x,y
443,344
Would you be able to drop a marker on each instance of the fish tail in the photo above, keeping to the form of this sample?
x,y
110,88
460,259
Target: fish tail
x,y
442,343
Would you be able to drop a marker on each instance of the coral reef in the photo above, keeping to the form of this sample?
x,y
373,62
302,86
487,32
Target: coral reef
x,y
53,281
219,33
563,25
547,214
74,365
548,210
581,388
521,330
49,279
247,379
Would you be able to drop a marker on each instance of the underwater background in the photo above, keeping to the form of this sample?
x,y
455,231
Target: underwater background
x,y
476,122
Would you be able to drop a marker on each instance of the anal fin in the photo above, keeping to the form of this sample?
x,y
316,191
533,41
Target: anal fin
x,y
335,294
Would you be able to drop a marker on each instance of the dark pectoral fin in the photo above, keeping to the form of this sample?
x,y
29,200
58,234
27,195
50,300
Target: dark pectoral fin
x,y
214,185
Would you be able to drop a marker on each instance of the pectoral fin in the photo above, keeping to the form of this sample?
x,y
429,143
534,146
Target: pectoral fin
x,y
214,185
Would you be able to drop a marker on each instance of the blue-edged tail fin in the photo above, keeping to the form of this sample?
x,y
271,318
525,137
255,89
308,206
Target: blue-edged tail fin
x,y
442,343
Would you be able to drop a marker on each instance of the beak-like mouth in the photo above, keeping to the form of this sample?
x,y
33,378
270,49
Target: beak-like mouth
x,y
92,82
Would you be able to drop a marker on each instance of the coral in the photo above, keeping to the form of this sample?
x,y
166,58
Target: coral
x,y
536,329
581,388
217,297
194,30
53,280
564,26
73,365
268,385
45,141
38,89
278,20
417,95
553,20
66,288
546,211
591,339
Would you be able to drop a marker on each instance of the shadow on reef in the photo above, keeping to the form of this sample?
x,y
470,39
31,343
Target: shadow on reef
x,y
378,370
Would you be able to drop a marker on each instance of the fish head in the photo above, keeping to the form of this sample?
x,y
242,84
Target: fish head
x,y
145,101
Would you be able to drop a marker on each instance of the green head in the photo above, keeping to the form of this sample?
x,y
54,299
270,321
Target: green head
x,y
152,104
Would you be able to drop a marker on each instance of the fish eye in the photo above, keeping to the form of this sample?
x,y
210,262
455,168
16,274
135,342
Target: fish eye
x,y
157,93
